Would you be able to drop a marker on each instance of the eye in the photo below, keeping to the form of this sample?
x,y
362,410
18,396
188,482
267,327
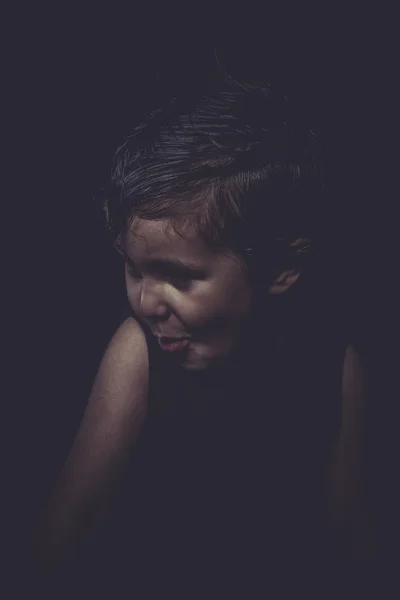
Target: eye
x,y
132,270
181,282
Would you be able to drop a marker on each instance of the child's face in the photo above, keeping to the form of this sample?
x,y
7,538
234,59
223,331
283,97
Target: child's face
x,y
181,288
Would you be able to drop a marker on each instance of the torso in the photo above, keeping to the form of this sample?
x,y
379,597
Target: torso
x,y
234,465
238,473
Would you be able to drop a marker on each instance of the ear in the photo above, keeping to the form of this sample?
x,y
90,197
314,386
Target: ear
x,y
284,281
289,276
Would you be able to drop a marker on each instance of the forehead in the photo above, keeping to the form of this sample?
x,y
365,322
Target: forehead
x,y
158,239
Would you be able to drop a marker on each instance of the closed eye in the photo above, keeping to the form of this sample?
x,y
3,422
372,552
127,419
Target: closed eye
x,y
132,269
181,281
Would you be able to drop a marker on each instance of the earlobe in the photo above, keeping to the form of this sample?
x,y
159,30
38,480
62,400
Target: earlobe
x,y
284,281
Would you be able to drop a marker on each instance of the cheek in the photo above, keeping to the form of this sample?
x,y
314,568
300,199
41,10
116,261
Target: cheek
x,y
232,295
133,293
215,304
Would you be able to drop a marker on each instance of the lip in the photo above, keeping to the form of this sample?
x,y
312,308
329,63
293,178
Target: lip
x,y
171,344
177,338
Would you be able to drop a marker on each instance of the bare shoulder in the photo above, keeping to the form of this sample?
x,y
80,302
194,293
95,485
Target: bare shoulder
x,y
117,406
354,380
124,369
128,344
350,509
110,428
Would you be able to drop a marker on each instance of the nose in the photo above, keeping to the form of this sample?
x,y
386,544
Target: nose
x,y
152,301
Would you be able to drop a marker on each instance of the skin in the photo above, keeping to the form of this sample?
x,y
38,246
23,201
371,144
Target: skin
x,y
210,306
213,309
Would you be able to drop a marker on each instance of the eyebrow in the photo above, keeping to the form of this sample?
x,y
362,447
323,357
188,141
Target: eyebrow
x,y
171,267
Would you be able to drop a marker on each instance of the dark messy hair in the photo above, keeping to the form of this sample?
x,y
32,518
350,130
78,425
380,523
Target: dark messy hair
x,y
236,159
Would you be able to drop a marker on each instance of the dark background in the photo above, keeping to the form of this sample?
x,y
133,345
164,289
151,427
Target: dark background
x,y
77,88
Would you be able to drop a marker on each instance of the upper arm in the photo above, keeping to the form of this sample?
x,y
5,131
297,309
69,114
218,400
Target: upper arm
x,y
116,408
350,444
350,510
119,393
109,430
354,389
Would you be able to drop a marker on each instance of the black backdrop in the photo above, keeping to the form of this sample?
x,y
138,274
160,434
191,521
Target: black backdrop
x,y
77,92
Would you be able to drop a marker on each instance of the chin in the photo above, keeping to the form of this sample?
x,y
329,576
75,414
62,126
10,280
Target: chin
x,y
198,362
195,367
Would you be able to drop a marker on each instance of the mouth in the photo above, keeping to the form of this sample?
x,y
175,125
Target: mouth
x,y
173,344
